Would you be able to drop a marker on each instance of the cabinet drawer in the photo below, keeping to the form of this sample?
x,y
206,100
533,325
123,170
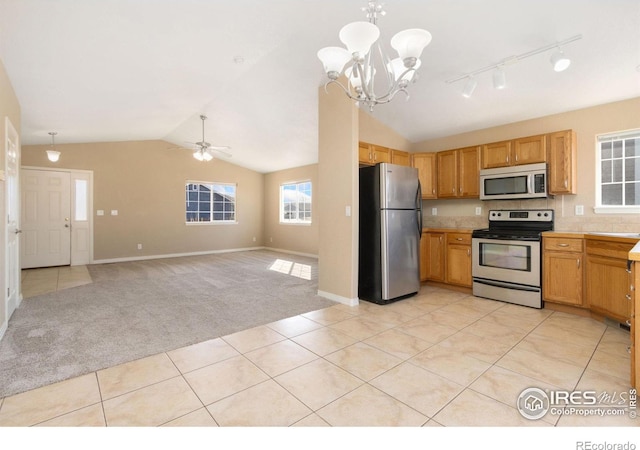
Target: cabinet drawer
x,y
459,238
563,244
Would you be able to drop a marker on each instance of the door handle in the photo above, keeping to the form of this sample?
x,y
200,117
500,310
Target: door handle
x,y
18,231
66,225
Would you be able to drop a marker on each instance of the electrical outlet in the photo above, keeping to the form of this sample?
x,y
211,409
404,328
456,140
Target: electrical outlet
x,y
254,239
434,211
270,239
579,210
139,246
478,210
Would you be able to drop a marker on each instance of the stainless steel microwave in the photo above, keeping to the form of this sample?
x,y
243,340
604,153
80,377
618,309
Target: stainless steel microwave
x,y
514,182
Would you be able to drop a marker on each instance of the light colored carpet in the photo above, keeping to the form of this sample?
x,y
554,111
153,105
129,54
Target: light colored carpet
x,y
137,309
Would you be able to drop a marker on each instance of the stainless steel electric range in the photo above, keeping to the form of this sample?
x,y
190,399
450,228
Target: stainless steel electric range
x,y
507,256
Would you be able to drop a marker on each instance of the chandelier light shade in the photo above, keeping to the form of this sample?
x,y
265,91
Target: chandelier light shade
x,y
52,154
559,61
359,37
409,44
367,67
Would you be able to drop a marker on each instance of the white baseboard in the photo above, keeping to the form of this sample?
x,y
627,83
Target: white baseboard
x,y
291,252
173,255
3,330
338,298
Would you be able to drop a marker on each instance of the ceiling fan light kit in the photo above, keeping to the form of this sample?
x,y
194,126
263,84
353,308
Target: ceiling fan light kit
x,y
559,62
366,63
204,149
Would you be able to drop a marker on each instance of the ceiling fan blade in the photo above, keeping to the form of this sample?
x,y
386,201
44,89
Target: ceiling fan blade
x,y
221,150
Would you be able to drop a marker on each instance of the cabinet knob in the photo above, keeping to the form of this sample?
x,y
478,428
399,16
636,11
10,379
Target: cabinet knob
x,y
566,183
458,239
578,263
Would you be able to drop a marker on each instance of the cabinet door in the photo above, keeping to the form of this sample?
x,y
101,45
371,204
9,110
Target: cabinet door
x,y
435,257
607,285
401,158
459,264
469,172
447,174
562,277
562,162
380,154
364,153
426,165
530,150
497,154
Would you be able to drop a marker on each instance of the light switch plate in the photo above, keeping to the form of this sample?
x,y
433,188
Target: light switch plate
x,y
100,212
114,212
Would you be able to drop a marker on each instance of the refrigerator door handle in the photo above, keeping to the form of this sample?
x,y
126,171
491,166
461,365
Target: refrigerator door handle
x,y
419,209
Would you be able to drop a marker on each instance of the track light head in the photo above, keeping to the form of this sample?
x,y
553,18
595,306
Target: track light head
x,y
499,78
559,61
469,87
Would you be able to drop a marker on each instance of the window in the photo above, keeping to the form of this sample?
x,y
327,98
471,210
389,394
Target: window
x,y
295,202
618,173
210,202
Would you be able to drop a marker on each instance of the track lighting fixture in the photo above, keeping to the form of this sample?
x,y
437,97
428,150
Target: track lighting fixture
x,y
469,87
499,78
559,61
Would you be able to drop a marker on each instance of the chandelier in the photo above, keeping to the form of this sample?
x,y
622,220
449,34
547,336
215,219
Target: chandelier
x,y
364,62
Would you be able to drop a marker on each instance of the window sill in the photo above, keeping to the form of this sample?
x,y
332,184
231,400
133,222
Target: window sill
x,y
617,209
297,224
198,224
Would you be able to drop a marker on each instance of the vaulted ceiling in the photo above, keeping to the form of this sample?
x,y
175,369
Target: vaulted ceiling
x,y
97,71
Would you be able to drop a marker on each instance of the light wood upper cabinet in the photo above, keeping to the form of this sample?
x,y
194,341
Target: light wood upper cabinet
x,y
496,154
562,155
458,173
527,150
370,154
401,158
426,163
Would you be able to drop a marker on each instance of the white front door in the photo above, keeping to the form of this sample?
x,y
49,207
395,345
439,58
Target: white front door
x,y
12,152
46,218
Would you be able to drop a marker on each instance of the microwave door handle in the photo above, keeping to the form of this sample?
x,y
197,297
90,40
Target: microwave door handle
x,y
530,182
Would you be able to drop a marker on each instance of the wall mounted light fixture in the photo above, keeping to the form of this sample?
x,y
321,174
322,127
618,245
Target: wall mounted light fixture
x,y
52,154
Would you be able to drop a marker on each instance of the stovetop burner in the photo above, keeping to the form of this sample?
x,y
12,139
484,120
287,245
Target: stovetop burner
x,y
524,225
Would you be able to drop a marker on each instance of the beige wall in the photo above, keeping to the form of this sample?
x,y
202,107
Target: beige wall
x,y
294,238
145,182
337,189
587,123
374,132
9,107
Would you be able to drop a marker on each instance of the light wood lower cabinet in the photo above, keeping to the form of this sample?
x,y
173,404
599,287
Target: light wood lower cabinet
x,y
458,259
432,256
445,257
562,276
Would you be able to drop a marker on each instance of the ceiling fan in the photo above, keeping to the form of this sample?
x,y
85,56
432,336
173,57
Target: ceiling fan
x,y
204,150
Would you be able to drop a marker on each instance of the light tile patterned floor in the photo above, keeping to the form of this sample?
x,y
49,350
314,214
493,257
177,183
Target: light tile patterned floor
x,y
441,358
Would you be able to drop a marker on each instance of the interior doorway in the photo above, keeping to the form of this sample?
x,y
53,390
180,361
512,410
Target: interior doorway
x,y
56,217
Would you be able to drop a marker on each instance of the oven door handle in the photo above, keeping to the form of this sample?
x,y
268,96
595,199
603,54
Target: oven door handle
x,y
517,287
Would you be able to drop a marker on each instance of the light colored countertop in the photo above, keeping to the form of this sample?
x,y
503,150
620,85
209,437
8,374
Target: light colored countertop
x,y
634,254
447,230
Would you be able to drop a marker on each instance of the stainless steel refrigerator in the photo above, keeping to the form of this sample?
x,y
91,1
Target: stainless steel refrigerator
x,y
390,230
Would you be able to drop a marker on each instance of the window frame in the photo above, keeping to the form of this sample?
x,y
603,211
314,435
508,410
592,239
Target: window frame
x,y
612,137
212,221
281,204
